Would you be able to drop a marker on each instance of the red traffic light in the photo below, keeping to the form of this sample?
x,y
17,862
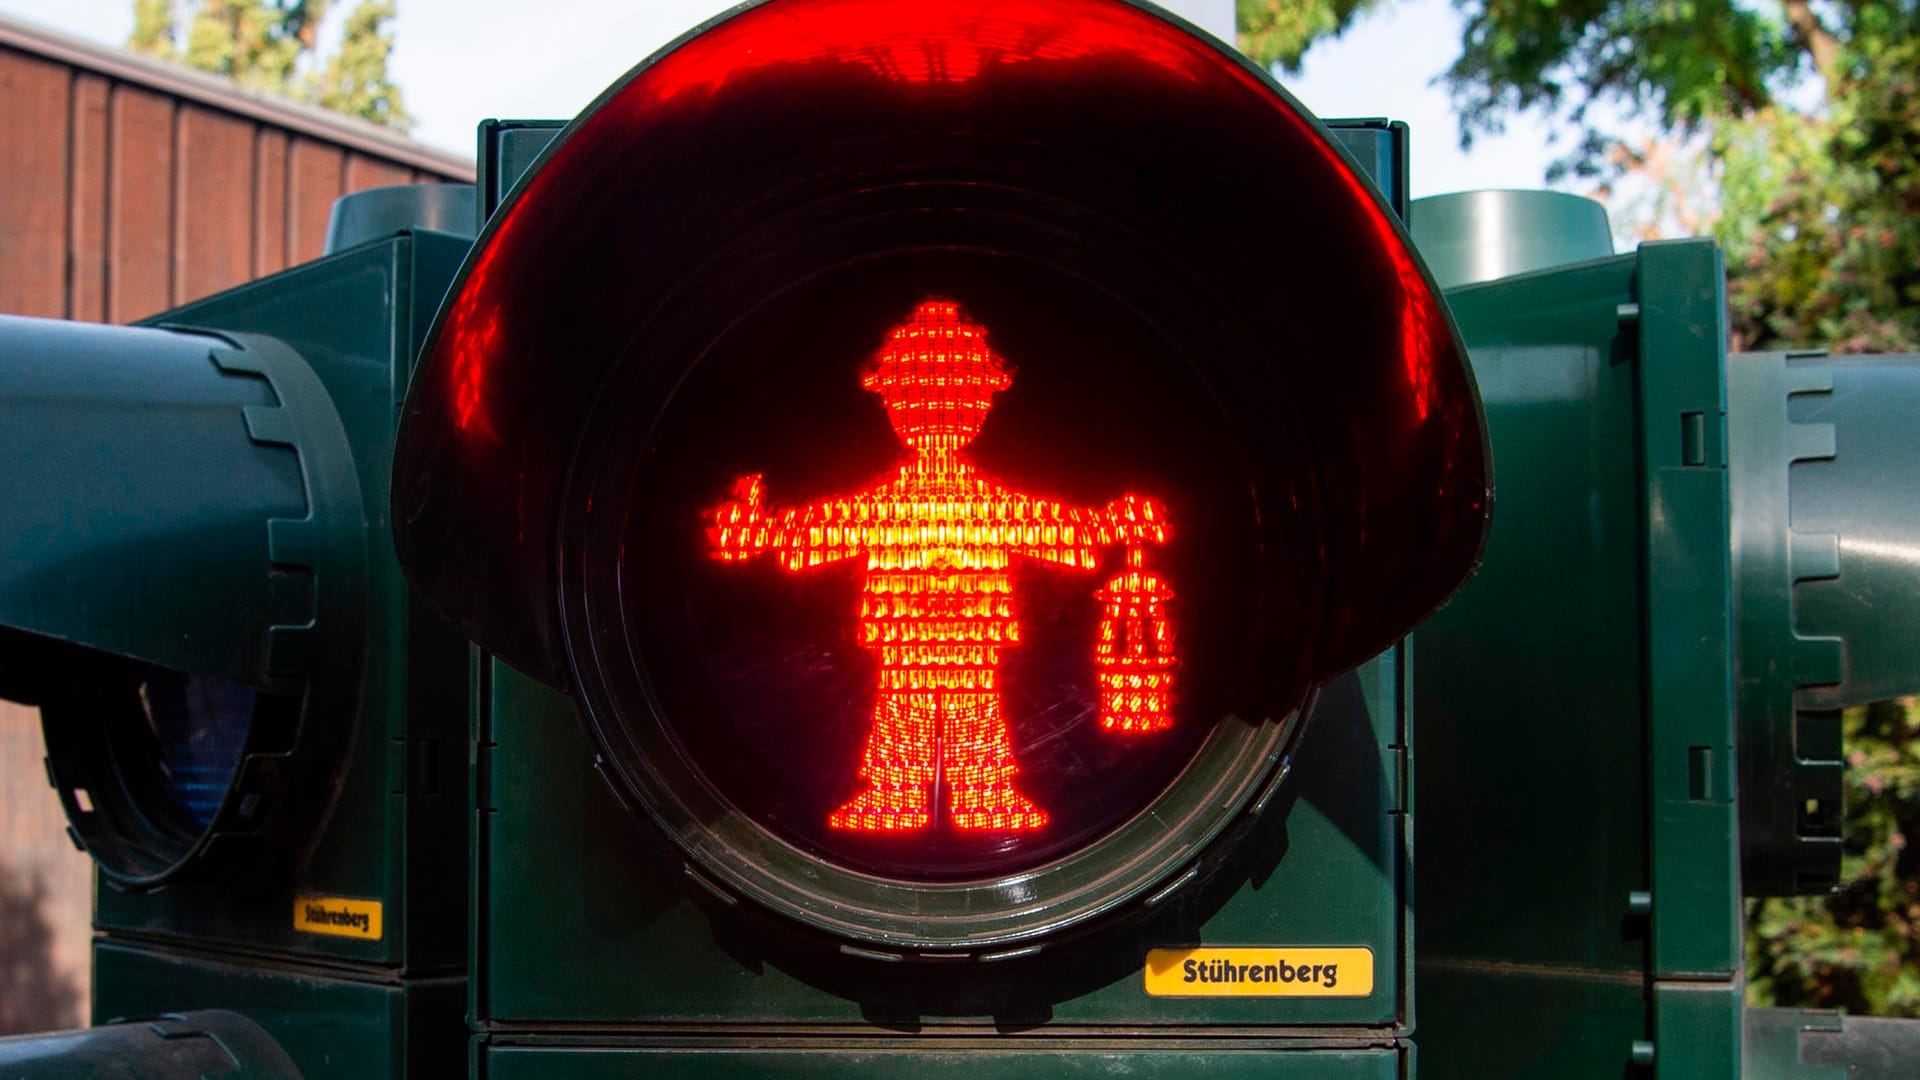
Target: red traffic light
x,y
1214,361
1093,109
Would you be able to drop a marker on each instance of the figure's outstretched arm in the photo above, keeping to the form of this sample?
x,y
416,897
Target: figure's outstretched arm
x,y
799,536
1075,536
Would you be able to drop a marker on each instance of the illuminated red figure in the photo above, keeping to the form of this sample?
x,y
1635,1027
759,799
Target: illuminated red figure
x,y
936,605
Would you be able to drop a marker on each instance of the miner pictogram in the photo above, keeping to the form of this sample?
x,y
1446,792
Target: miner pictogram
x,y
936,602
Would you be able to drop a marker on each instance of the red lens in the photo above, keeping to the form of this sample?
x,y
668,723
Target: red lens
x,y
1156,285
909,566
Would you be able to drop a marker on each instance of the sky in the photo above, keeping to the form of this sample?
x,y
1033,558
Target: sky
x,y
461,61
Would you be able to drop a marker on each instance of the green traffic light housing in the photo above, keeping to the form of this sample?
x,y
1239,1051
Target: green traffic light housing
x,y
682,457
1826,566
184,567
1820,537
1083,179
254,732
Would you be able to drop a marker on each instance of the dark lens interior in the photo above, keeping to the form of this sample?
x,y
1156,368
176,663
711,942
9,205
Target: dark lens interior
x,y
199,728
145,757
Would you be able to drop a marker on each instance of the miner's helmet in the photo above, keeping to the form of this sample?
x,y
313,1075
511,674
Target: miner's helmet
x,y
937,375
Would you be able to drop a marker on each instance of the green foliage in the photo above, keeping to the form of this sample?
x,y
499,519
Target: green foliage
x,y
1681,63
1790,129
155,25
355,81
1858,950
1822,222
256,43
270,45
1280,31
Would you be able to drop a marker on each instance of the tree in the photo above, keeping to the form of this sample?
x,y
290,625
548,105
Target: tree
x,y
1822,208
1279,32
271,45
1808,113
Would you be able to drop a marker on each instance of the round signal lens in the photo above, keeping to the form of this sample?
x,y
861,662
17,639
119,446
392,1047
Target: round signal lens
x,y
939,587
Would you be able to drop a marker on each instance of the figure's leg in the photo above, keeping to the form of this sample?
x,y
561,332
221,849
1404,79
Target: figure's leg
x,y
978,753
898,767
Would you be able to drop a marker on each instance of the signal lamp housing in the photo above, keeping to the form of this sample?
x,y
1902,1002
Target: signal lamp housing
x,y
941,446
182,594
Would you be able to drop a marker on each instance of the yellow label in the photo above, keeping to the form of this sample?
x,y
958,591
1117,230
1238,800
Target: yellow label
x,y
338,916
1262,972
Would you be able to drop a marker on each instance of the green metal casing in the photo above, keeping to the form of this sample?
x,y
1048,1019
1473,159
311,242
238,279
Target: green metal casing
x,y
172,1046
854,1061
596,950
1827,606
1474,236
1576,721
395,831
331,1022
586,921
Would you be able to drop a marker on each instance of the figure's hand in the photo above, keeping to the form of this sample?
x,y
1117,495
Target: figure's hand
x,y
734,528
1136,520
747,491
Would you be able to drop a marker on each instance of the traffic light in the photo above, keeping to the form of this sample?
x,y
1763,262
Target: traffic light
x,y
927,502
255,734
907,468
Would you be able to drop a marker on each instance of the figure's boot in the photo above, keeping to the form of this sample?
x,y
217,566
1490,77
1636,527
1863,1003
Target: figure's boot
x,y
979,767
898,767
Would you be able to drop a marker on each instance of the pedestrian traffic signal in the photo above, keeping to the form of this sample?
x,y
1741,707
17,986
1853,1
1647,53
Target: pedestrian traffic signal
x,y
936,495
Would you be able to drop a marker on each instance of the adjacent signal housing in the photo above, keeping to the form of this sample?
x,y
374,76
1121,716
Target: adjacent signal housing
x,y
1825,538
254,731
183,533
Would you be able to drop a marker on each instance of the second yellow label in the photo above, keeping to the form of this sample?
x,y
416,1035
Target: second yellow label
x,y
1260,972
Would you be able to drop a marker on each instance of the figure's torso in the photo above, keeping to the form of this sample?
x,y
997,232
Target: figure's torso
x,y
937,541
936,605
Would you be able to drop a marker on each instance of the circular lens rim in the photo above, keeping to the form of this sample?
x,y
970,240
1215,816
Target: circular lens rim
x,y
98,741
